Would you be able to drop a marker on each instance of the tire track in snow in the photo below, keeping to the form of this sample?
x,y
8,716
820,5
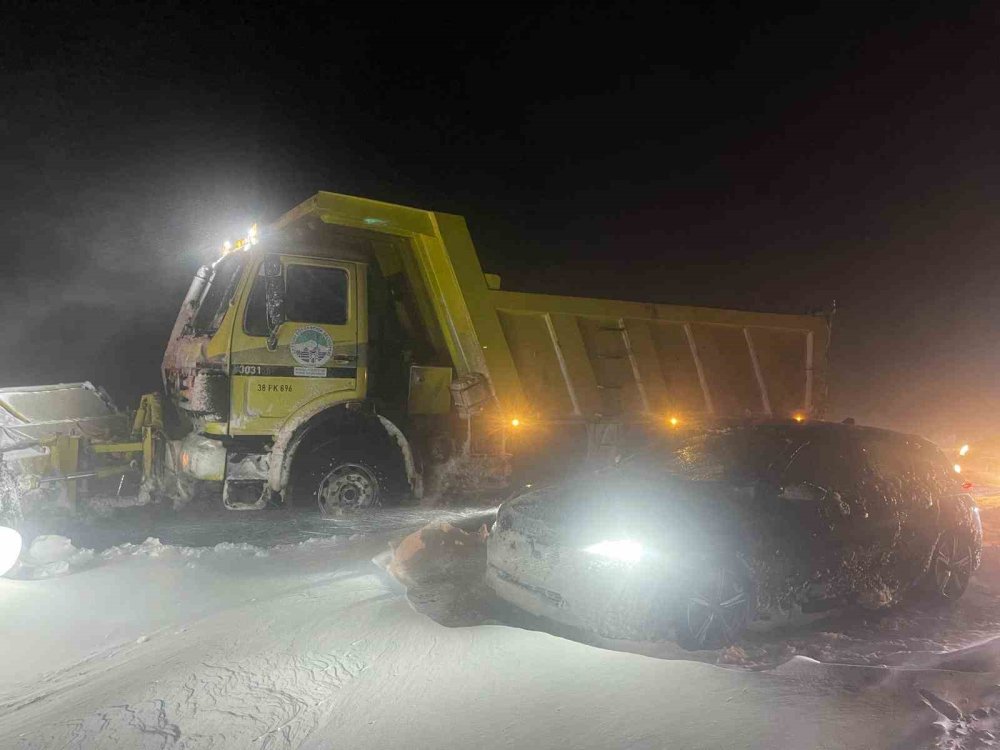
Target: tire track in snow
x,y
143,727
62,680
270,701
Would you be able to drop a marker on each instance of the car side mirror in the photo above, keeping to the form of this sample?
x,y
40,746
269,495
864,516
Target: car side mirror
x,y
274,299
804,492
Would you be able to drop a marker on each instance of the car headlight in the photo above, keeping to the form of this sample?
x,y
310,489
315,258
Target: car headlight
x,y
621,550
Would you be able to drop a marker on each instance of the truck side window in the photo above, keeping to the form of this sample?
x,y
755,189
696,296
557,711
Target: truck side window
x,y
312,295
315,295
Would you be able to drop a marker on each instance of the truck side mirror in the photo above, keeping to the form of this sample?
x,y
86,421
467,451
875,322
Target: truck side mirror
x,y
274,299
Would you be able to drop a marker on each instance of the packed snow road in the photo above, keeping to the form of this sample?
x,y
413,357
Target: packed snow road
x,y
284,631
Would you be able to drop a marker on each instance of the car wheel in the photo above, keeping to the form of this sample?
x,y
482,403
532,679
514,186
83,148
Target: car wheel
x,y
951,567
714,610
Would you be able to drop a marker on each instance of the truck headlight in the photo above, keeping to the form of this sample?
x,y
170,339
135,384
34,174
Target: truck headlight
x,y
621,550
10,549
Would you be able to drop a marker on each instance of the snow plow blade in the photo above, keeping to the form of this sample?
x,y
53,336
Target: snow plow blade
x,y
54,436
37,413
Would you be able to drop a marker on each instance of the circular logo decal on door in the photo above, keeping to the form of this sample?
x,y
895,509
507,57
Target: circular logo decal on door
x,y
311,346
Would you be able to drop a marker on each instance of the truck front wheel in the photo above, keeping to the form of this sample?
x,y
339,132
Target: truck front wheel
x,y
336,478
350,484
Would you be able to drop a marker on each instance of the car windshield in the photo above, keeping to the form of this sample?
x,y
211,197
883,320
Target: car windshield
x,y
821,455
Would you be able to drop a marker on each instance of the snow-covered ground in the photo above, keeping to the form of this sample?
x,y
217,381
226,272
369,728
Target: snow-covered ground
x,y
281,631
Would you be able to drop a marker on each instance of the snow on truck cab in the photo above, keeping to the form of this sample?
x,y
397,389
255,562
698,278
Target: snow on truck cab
x,y
354,353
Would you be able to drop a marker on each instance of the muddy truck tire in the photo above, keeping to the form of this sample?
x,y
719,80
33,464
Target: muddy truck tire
x,y
345,473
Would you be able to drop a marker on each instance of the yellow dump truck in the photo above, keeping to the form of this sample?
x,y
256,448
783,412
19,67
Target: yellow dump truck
x,y
355,352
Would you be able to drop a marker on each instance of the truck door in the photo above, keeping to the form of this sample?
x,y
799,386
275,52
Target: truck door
x,y
317,346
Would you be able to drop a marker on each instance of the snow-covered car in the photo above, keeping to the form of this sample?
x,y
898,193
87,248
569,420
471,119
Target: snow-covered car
x,y
699,536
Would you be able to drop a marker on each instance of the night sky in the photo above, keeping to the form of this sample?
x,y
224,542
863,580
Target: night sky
x,y
706,154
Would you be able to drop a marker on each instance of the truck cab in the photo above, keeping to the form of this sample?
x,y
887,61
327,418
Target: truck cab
x,y
295,330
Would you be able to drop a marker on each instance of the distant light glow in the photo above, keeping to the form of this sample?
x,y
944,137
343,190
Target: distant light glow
x,y
964,450
515,422
227,246
252,237
10,549
958,468
622,550
799,417
674,421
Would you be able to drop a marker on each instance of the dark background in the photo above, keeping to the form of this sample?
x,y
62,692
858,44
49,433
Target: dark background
x,y
713,154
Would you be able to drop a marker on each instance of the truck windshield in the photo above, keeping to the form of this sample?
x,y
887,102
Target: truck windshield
x,y
225,276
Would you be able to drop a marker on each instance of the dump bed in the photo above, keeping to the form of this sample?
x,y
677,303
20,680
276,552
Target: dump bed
x,y
574,358
577,357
